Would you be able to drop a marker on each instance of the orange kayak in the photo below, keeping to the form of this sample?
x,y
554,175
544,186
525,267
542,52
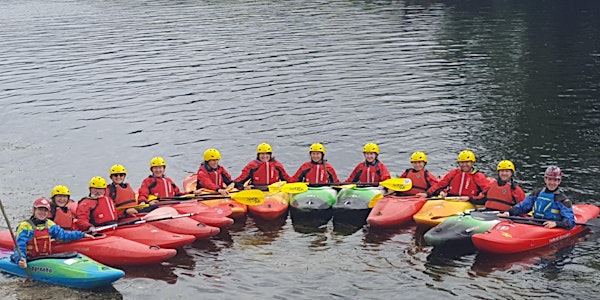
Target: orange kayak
x,y
435,212
393,211
275,206
238,210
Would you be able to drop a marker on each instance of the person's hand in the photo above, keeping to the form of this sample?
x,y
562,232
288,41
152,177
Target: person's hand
x,y
422,195
153,202
223,192
87,235
443,194
549,224
503,214
463,198
249,187
22,263
131,212
91,229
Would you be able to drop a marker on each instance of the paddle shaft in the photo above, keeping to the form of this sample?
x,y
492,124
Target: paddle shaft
x,y
139,221
543,220
12,234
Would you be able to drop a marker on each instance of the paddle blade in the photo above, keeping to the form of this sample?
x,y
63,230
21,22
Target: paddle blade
x,y
375,200
294,188
249,197
161,213
346,186
276,187
397,184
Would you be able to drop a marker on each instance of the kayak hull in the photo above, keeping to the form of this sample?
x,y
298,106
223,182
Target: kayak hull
x,y
392,211
151,235
275,206
108,250
352,205
212,216
238,210
314,204
186,226
510,237
457,231
78,271
435,212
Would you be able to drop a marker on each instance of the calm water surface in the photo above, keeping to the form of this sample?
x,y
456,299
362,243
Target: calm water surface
x,y
87,84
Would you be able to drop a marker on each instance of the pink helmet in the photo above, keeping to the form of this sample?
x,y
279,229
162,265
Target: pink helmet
x,y
553,172
41,202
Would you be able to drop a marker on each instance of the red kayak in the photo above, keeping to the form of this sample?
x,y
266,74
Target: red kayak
x,y
213,216
275,206
151,235
186,225
393,211
510,237
109,250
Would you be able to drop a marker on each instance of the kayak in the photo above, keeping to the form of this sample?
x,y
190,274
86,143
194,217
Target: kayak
x,y
238,210
183,225
212,216
352,204
435,212
109,250
315,203
391,211
69,269
457,230
275,206
151,235
510,237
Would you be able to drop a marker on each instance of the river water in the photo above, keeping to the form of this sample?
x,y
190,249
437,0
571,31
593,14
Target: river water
x,y
87,84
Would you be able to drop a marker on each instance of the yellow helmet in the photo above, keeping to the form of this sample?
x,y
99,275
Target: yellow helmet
x,y
98,182
119,169
317,147
371,147
211,154
418,156
264,148
60,190
505,165
466,155
157,162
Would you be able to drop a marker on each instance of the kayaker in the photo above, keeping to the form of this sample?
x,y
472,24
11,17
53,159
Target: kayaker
x,y
264,170
465,181
317,170
34,235
120,192
211,175
502,193
371,169
96,209
157,184
548,202
421,178
63,210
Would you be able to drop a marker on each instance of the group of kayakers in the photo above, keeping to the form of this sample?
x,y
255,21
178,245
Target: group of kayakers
x,y
100,207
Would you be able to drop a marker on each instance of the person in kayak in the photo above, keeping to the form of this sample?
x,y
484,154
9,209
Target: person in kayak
x,y
63,210
421,178
503,193
120,192
371,169
96,209
317,170
264,170
33,236
157,185
211,175
548,202
465,181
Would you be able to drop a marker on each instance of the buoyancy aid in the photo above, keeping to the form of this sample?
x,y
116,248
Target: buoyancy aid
x,y
40,245
465,183
122,194
262,173
500,197
103,212
420,184
321,172
545,206
212,179
64,216
369,172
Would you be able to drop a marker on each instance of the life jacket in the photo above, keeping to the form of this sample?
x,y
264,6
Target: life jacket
x,y
262,172
316,173
41,244
65,216
464,184
103,212
500,197
218,177
545,207
162,187
367,172
420,184
122,194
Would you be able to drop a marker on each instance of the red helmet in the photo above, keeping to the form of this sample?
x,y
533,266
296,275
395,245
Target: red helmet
x,y
42,202
553,172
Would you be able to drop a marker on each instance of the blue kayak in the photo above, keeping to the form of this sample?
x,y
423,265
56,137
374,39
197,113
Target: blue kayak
x,y
69,269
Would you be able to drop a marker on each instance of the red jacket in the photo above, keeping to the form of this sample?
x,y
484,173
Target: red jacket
x,y
212,179
66,216
421,181
501,196
459,183
157,186
262,173
122,194
315,173
369,172
95,212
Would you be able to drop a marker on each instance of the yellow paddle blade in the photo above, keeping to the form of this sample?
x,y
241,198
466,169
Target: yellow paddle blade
x,y
375,200
276,187
249,197
122,208
346,186
397,184
152,197
294,188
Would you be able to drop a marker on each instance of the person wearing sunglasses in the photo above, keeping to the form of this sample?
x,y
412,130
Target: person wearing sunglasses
x,y
120,192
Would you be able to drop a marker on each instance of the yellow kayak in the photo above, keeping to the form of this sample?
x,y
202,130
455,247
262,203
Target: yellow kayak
x,y
435,212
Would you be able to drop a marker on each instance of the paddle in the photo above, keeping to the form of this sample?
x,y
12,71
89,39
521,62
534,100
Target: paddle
x,y
466,213
140,221
12,234
377,197
395,184
247,197
535,221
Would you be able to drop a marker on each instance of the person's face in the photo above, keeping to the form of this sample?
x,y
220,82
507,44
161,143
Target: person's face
x,y
264,156
158,171
96,193
418,165
505,175
552,183
118,178
213,163
40,213
370,156
465,166
316,156
61,200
